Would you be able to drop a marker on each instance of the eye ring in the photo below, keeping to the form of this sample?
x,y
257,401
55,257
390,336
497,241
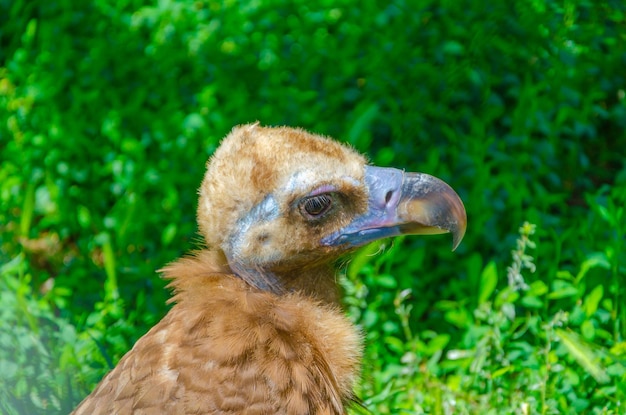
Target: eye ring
x,y
316,206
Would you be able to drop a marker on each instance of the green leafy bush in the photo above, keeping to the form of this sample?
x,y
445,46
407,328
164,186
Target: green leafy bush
x,y
526,348
108,111
41,365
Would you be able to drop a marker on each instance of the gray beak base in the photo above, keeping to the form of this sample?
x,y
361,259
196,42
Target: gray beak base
x,y
404,203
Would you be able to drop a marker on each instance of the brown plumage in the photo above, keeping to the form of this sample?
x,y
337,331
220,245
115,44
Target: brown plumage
x,y
256,327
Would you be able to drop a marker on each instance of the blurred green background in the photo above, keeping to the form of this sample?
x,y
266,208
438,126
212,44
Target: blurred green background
x,y
109,110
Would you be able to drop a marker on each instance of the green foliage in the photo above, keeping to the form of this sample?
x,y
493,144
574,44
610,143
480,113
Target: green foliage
x,y
526,348
44,361
109,110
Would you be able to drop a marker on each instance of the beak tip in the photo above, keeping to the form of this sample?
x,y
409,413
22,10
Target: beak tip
x,y
455,243
458,232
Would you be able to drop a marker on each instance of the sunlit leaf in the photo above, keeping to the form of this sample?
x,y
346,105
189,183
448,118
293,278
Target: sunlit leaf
x,y
562,289
488,282
592,300
583,354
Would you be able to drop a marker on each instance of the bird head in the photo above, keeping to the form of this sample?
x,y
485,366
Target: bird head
x,y
280,202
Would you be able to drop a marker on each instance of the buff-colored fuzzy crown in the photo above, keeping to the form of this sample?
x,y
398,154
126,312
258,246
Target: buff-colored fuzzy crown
x,y
252,183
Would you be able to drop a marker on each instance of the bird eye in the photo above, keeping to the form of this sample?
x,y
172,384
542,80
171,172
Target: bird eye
x,y
316,206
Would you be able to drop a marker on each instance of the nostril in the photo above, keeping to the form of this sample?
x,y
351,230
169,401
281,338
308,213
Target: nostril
x,y
388,196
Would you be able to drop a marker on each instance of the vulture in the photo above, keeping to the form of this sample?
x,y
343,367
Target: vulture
x,y
256,327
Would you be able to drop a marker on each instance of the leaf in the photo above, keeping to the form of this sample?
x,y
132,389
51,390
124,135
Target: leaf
x,y
83,216
488,282
588,330
168,234
363,257
595,260
506,296
537,288
108,254
502,371
438,343
562,289
531,301
359,134
27,210
395,344
452,47
386,281
460,318
583,354
590,305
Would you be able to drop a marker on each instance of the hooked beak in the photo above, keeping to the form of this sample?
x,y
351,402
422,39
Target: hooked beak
x,y
403,203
